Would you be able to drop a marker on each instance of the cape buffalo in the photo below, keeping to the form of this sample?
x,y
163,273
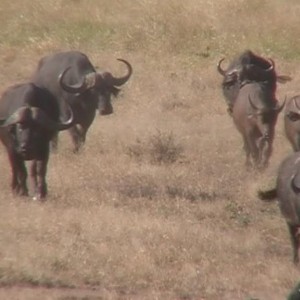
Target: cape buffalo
x,y
29,117
287,191
255,114
84,89
246,68
292,122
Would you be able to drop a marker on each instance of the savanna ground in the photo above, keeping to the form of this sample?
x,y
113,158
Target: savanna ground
x,y
158,205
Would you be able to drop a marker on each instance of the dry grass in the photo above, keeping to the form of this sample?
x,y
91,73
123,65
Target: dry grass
x,y
158,205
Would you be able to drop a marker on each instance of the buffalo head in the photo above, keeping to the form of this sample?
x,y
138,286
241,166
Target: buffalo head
x,y
239,74
28,126
248,68
246,72
101,84
293,109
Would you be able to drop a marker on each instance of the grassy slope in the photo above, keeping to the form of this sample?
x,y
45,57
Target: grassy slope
x,y
117,218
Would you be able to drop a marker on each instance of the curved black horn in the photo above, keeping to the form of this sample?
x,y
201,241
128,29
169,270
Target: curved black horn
x,y
77,88
43,119
294,186
284,78
279,108
220,70
21,113
272,65
252,104
118,81
296,105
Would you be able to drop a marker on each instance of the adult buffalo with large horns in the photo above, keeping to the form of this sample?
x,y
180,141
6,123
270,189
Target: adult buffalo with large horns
x,y
29,118
287,192
248,68
249,87
80,86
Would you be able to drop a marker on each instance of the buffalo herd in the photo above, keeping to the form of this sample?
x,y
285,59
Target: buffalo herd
x,y
65,92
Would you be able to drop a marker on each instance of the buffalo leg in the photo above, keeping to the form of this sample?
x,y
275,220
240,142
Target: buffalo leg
x,y
78,135
247,151
22,177
266,154
293,229
265,150
19,175
32,174
54,142
41,179
253,149
38,172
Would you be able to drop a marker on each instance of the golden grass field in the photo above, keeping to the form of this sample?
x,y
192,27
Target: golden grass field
x,y
158,205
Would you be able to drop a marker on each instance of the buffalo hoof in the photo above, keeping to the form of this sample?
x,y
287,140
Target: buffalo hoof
x,y
21,191
262,167
78,149
229,111
38,198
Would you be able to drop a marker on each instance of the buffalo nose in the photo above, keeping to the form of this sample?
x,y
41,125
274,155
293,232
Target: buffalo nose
x,y
23,147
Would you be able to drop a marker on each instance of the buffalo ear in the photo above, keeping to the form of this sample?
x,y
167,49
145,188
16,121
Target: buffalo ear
x,y
279,108
284,78
115,91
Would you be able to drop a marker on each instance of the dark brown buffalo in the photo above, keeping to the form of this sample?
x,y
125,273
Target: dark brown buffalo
x,y
287,191
29,118
246,68
292,122
255,115
80,86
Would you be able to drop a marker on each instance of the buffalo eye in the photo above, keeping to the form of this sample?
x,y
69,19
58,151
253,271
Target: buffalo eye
x,y
12,129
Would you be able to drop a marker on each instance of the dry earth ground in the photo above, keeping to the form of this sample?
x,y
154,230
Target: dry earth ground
x,y
158,205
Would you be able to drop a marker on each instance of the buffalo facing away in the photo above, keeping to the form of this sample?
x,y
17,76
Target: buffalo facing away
x,y
292,122
249,87
29,118
245,68
80,86
287,191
